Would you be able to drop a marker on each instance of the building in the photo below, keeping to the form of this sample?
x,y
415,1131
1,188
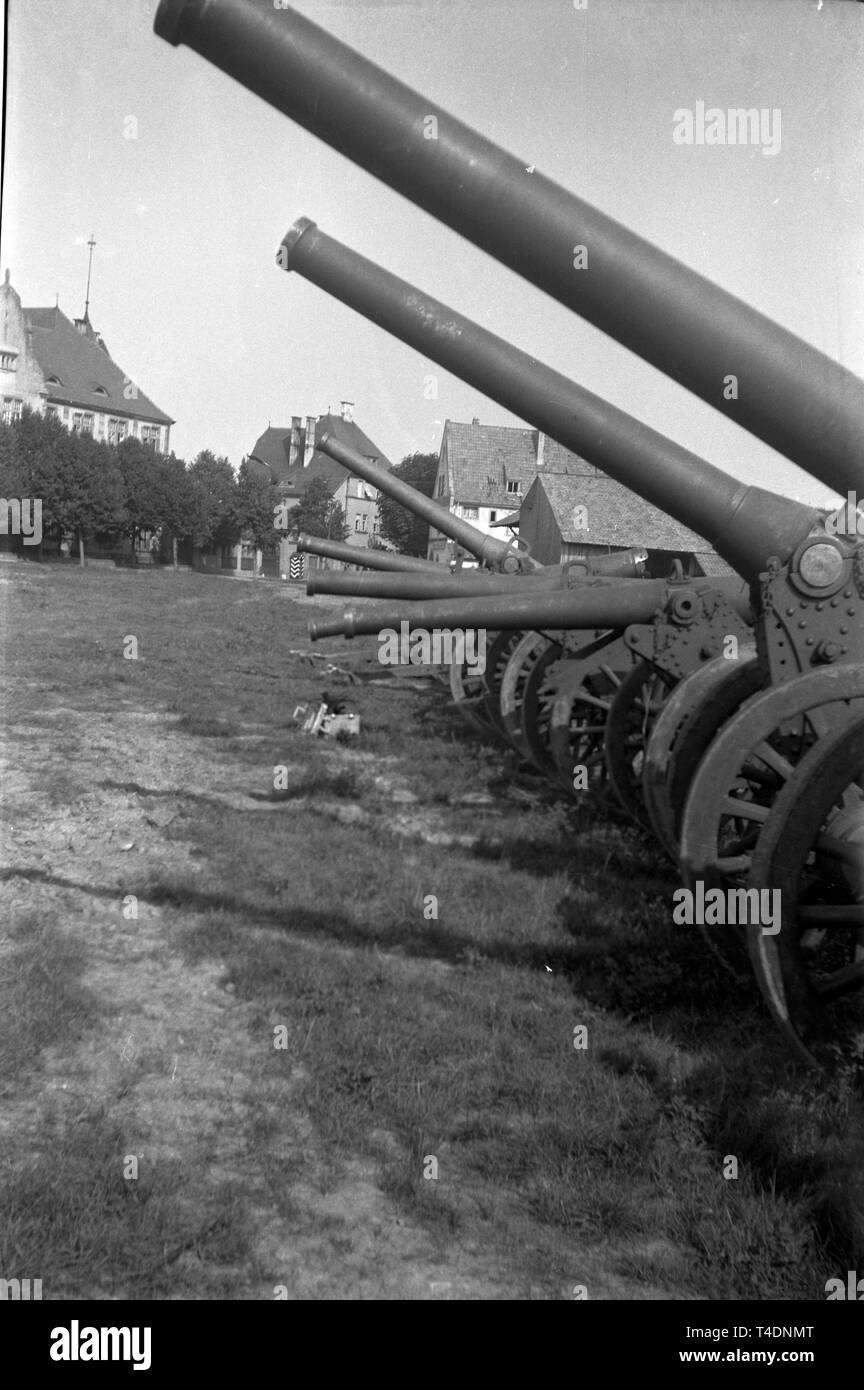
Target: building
x,y
62,367
578,512
484,473
289,455
500,478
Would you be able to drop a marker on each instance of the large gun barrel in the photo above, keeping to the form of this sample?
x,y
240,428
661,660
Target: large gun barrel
x,y
746,525
793,397
365,556
422,586
599,603
444,583
488,549
621,564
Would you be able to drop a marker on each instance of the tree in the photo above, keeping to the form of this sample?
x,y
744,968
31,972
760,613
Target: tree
x,y
254,508
77,479
143,486
409,533
178,508
318,514
13,471
214,490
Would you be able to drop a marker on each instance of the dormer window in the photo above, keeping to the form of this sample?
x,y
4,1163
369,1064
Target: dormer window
x,y
53,381
100,391
514,487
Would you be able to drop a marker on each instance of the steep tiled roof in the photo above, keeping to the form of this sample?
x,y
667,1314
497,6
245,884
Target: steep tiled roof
x,y
484,458
616,516
81,363
272,447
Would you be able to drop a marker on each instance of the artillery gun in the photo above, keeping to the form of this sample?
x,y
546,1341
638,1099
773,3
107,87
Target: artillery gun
x,y
478,697
391,561
541,700
524,680
777,798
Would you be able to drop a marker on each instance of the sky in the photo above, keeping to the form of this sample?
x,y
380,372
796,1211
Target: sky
x,y
188,183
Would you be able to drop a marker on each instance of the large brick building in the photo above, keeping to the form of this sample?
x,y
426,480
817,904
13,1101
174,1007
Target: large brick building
x,y
62,367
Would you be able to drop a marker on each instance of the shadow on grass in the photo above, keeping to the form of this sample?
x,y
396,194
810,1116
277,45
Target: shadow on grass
x,y
802,1135
671,982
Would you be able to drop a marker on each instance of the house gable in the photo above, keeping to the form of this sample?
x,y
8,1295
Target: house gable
x,y
79,372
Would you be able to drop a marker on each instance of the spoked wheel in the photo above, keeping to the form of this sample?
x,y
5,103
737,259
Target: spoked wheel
x,y
470,698
580,705
636,704
745,769
538,696
515,684
811,851
498,654
534,711
698,706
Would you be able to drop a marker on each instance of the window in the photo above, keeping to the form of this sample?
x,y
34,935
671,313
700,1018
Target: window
x,y
52,410
150,436
514,487
99,391
7,361
376,526
365,519
11,409
82,423
53,381
117,430
356,523
469,513
493,516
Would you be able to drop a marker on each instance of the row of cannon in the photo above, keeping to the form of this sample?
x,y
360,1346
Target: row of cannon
x,y
726,715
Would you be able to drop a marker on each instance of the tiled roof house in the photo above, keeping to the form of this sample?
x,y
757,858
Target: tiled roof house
x,y
64,368
566,507
293,462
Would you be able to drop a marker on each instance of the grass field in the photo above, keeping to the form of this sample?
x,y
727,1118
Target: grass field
x,y
318,1041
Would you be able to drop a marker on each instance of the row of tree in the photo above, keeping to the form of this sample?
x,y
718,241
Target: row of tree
x,y
102,492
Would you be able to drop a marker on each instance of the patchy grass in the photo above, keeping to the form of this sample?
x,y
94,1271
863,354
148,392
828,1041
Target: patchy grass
x,y
78,1205
429,961
42,1000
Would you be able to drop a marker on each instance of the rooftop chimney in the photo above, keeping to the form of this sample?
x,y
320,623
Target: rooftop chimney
x,y
475,421
294,445
541,447
347,411
309,441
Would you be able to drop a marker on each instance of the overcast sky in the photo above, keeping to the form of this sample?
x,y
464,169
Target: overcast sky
x,y
187,215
